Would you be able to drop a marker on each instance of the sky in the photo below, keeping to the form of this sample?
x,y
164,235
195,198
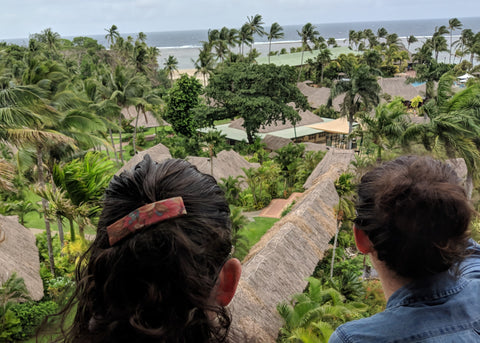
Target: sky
x,y
20,18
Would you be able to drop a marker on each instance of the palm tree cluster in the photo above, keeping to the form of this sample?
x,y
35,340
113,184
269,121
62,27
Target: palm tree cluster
x,y
59,99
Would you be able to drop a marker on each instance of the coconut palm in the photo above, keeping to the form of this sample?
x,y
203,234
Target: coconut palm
x,y
245,36
171,65
410,40
453,24
256,26
204,64
112,34
276,32
466,41
386,127
361,94
307,34
323,58
438,41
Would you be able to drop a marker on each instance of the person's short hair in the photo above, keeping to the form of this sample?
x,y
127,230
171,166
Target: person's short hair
x,y
417,215
155,285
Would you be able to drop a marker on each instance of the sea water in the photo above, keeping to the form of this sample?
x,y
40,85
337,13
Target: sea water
x,y
185,45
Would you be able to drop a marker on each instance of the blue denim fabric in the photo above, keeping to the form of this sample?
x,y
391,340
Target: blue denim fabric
x,y
438,309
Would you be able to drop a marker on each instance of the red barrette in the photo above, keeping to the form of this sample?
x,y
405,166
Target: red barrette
x,y
144,216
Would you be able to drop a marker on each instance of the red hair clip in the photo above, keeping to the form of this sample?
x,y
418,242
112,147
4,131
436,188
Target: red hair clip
x,y
146,215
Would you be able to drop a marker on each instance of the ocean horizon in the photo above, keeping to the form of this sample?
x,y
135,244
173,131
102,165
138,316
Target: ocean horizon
x,y
184,45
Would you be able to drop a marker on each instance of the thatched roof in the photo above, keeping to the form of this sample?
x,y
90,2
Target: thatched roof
x,y
276,267
147,120
460,167
338,159
227,163
18,253
397,86
307,119
274,143
314,146
339,126
158,153
319,96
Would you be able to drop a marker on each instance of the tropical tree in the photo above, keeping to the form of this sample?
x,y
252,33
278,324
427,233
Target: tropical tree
x,y
453,24
276,32
204,64
361,94
245,36
452,127
256,26
323,58
344,210
239,241
181,102
386,127
312,316
410,40
257,93
307,34
112,34
438,41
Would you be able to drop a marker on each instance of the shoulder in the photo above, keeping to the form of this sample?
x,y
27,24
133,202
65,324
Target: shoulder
x,y
370,329
470,267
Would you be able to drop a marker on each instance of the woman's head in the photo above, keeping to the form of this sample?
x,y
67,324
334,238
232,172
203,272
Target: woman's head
x,y
416,214
156,284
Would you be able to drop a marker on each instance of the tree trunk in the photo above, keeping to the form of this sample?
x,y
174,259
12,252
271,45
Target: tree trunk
x,y
59,218
334,249
72,230
301,65
120,137
113,145
41,182
134,138
350,129
269,50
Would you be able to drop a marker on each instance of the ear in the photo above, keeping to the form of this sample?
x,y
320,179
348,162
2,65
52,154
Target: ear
x,y
364,245
227,281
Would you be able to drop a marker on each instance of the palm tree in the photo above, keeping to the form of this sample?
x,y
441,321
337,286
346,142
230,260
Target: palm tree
x,y
204,64
323,58
361,94
11,291
276,32
171,65
142,37
410,40
308,34
256,26
439,42
112,34
453,125
245,36
465,42
453,24
386,127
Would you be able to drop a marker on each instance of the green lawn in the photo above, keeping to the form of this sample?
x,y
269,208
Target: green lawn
x,y
253,231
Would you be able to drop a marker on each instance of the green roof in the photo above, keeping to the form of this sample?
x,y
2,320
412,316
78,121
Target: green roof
x,y
294,59
240,135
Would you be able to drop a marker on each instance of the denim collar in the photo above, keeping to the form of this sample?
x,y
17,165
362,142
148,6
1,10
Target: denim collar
x,y
429,289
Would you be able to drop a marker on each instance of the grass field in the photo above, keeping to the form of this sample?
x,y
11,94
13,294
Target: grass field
x,y
254,230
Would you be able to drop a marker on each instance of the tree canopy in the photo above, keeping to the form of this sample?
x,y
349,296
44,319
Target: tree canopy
x,y
260,94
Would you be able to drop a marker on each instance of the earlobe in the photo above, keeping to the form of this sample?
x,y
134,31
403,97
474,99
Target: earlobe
x,y
364,245
227,281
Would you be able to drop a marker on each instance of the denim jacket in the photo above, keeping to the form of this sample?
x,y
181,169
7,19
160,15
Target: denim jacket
x,y
441,308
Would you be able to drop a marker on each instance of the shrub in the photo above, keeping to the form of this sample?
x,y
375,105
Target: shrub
x,y
30,315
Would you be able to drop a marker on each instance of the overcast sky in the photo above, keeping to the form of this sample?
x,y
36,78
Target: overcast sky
x,y
20,18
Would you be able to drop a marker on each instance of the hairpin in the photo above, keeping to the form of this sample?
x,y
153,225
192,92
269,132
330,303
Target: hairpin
x,y
146,215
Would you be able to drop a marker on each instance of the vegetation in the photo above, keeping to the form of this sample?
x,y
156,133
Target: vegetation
x,y
63,136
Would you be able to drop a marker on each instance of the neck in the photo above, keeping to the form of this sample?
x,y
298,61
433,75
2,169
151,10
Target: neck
x,y
391,282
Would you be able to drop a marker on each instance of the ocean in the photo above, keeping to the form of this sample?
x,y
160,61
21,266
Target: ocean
x,y
184,45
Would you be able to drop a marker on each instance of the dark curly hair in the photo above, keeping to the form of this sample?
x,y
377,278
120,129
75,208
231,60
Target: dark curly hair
x,y
155,285
417,215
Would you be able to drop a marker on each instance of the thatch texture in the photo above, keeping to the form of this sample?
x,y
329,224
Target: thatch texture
x,y
319,96
314,146
460,167
397,86
145,120
227,163
18,253
307,118
276,267
158,153
273,143
337,159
